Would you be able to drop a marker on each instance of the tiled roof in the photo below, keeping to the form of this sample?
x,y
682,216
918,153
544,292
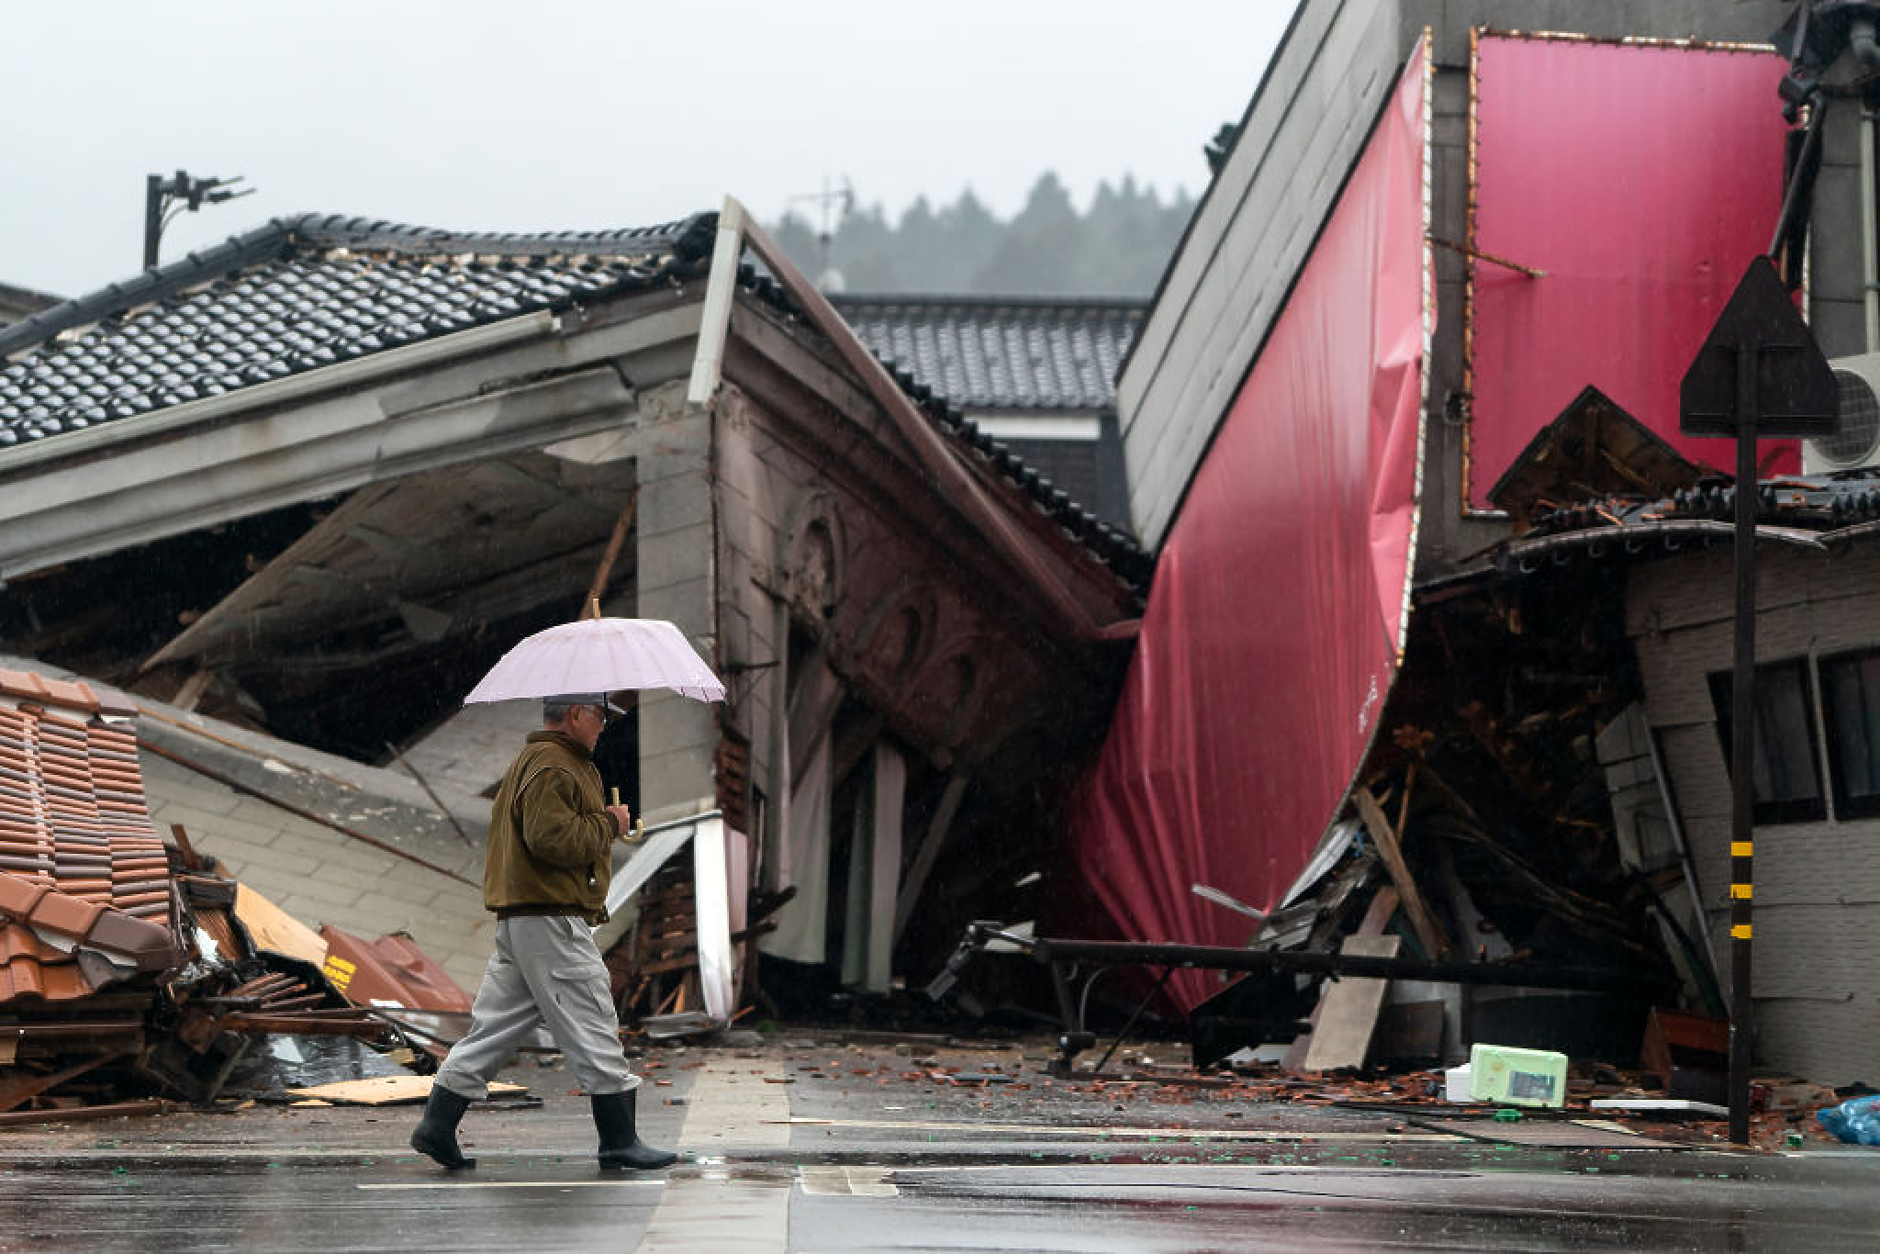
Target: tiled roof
x,y
1803,509
1807,502
306,292
992,353
298,294
85,890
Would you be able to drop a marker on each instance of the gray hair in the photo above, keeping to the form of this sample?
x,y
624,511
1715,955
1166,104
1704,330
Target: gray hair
x,y
556,711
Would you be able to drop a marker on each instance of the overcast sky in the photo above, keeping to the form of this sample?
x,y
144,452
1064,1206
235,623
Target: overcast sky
x,y
558,114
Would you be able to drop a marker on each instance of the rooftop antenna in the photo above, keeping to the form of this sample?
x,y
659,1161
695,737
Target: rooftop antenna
x,y
827,201
164,198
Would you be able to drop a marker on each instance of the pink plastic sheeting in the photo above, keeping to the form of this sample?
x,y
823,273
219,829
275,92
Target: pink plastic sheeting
x,y
1642,179
1275,623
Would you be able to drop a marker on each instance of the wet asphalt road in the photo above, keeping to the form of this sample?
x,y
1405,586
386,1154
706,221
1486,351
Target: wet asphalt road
x,y
838,1149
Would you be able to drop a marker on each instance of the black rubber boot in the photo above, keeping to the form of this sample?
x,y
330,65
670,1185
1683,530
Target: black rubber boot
x,y
621,1146
436,1133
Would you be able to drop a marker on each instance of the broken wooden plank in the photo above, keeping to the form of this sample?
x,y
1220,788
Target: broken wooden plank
x,y
1376,918
1429,935
276,931
1348,1011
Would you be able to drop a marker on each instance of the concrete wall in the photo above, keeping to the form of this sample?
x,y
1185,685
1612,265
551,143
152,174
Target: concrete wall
x,y
1302,133
1816,963
1835,310
676,581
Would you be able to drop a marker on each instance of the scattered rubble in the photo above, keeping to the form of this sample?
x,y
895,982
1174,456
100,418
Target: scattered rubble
x,y
132,970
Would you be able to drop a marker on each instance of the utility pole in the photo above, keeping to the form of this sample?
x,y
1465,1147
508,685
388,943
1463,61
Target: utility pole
x,y
164,198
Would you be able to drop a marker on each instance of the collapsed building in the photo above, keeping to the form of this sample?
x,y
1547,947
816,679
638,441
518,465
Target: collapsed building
x,y
1428,672
1446,283
295,493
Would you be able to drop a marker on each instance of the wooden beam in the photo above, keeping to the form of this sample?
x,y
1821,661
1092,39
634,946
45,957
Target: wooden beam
x,y
605,570
929,850
191,692
1434,943
23,1086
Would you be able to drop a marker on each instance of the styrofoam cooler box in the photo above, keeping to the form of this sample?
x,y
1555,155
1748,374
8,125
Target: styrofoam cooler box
x,y
1456,1085
1517,1077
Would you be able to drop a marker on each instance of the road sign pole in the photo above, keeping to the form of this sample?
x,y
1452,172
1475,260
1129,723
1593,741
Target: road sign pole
x,y
1759,375
1743,743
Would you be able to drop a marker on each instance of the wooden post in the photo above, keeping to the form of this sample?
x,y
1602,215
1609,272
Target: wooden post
x,y
603,572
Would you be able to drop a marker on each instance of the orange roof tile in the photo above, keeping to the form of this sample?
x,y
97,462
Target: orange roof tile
x,y
79,860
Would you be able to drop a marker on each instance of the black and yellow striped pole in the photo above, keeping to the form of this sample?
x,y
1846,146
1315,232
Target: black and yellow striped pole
x,y
1759,374
1743,745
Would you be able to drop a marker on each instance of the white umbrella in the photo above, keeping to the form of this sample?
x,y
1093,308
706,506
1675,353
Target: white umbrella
x,y
600,655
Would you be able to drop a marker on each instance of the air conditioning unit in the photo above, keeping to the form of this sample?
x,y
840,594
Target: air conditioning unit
x,y
1858,444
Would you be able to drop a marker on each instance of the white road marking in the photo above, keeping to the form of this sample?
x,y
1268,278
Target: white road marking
x,y
1185,1169
1153,1134
854,1181
470,1182
721,1209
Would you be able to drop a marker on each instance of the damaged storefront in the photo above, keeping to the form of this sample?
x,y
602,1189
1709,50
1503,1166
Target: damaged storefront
x,y
1364,733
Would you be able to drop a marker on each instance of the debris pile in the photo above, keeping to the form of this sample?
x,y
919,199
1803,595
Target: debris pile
x,y
1483,838
131,969
1483,885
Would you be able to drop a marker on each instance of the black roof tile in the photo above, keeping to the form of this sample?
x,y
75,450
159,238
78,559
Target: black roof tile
x,y
1003,353
298,294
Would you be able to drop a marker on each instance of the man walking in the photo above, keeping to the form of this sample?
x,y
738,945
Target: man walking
x,y
545,876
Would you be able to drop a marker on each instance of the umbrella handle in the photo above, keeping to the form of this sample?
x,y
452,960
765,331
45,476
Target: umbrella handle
x,y
639,824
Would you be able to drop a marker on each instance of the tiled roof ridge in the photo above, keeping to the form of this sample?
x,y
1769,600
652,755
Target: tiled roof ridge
x,y
265,241
689,239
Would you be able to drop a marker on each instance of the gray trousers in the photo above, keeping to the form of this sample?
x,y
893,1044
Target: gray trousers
x,y
546,969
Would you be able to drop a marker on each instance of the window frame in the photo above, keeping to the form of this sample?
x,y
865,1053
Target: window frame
x,y
1848,805
1774,812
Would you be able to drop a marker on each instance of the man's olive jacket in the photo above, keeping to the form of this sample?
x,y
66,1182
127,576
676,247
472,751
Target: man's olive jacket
x,y
551,837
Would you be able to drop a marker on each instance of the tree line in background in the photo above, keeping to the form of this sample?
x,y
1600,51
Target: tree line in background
x,y
1118,248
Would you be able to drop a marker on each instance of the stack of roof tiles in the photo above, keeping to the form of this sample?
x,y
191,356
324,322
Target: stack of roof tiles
x,y
85,893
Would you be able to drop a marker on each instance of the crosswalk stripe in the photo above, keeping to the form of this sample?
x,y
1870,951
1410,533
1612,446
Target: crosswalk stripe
x,y
727,1211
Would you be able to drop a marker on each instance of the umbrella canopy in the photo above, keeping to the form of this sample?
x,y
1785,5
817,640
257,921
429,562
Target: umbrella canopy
x,y
600,655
